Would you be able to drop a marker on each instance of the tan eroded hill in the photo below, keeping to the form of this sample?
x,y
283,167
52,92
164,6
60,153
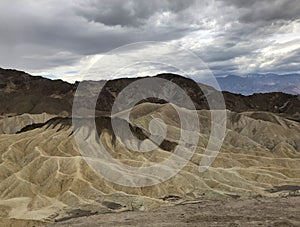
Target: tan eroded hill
x,y
43,176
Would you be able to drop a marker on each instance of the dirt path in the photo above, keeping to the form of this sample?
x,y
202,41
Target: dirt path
x,y
238,212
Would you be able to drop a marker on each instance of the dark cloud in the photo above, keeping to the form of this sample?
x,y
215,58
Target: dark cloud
x,y
288,62
224,50
268,10
231,36
33,33
128,13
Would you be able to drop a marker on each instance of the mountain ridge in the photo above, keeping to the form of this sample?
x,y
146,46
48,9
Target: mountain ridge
x,y
22,93
260,83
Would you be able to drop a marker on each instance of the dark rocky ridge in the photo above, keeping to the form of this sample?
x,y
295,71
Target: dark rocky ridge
x,y
23,93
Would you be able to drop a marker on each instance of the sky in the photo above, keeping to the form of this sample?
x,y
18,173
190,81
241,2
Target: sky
x,y
61,39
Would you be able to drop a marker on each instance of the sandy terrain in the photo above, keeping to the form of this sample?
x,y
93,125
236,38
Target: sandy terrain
x,y
44,177
236,212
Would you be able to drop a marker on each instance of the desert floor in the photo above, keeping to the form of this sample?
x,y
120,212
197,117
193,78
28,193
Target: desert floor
x,y
236,212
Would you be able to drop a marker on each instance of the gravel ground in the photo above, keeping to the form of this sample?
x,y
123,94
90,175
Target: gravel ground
x,y
279,211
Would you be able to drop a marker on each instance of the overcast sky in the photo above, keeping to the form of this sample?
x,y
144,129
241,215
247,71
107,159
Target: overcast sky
x,y
60,37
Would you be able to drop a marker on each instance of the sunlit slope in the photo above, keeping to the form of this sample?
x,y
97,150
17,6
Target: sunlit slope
x,y
43,175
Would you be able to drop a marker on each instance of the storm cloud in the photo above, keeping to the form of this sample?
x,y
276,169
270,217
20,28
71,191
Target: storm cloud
x,y
231,37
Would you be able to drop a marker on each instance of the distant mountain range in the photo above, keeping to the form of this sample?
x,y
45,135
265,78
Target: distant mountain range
x,y
260,83
22,93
